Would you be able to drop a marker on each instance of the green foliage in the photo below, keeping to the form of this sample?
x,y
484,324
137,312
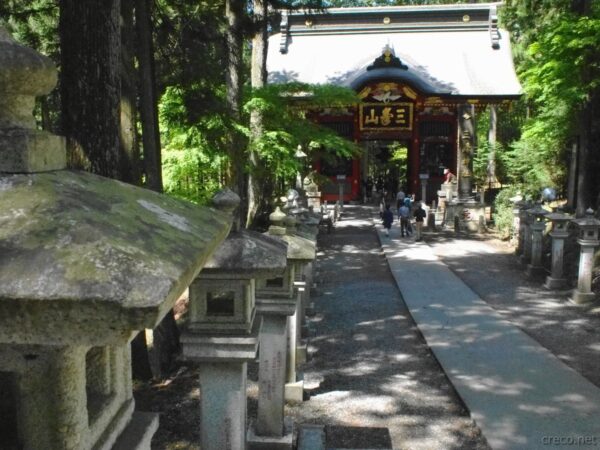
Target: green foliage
x,y
503,206
287,125
194,141
193,153
558,61
349,3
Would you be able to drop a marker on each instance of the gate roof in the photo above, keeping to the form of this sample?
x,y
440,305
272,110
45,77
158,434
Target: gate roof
x,y
454,50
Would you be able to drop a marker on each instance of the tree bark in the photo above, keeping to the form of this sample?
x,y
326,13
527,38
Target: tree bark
x,y
492,131
257,176
129,134
586,163
90,86
234,11
154,349
148,97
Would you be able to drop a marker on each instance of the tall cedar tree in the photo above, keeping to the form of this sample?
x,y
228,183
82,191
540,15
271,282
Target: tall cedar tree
x,y
90,41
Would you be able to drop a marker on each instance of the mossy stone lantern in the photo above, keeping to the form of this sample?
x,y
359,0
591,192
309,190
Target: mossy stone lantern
x,y
221,332
588,240
282,285
86,263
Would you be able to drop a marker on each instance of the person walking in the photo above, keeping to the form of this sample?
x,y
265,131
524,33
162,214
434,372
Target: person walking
x,y
404,216
388,219
419,219
400,196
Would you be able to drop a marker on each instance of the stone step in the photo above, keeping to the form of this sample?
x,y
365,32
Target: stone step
x,y
357,438
319,437
311,437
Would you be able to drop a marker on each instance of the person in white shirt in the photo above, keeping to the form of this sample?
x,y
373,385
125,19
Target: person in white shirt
x,y
400,196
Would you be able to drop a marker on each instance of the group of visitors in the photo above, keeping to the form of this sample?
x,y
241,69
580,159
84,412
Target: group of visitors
x,y
405,209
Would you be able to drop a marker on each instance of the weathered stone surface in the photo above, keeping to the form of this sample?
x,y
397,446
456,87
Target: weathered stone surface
x,y
25,151
95,253
25,74
248,254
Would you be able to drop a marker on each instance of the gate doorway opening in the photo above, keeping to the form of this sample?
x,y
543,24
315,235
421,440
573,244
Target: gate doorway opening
x,y
386,167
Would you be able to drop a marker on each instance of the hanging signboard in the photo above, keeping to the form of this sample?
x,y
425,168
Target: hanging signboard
x,y
386,116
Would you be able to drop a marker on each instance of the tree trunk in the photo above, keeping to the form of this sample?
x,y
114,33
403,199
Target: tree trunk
x,y
152,350
492,131
148,97
129,134
586,164
257,176
90,43
234,11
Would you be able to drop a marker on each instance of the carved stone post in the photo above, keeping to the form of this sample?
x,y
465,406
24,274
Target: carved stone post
x,y
559,233
276,301
524,219
221,331
537,226
588,240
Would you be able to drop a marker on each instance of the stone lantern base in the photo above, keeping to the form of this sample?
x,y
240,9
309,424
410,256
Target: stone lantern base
x,y
535,271
582,298
284,442
555,283
467,214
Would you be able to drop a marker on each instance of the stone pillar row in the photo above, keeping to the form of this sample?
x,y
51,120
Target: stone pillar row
x,y
531,223
245,305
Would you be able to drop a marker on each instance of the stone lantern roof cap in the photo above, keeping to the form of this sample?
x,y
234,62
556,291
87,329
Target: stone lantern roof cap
x,y
83,259
558,216
299,248
538,211
98,249
589,221
248,254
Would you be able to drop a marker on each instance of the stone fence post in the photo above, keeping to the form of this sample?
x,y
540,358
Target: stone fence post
x,y
559,234
525,234
537,225
221,332
588,240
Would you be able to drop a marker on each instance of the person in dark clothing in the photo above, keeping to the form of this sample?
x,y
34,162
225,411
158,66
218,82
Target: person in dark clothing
x,y
388,219
420,215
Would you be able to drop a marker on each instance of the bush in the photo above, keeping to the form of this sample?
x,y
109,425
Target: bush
x,y
502,212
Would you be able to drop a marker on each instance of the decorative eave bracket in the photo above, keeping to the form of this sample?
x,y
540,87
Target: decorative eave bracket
x,y
493,27
388,59
285,31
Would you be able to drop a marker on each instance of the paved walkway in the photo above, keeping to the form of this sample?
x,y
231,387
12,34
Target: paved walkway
x,y
371,372
519,394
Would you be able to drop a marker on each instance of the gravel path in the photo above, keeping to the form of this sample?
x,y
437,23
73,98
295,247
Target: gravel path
x,y
370,365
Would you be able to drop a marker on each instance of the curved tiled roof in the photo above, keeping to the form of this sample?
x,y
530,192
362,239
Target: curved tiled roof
x,y
447,49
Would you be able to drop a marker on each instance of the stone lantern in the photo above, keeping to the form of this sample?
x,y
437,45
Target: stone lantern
x,y
537,225
313,196
588,240
86,263
301,253
525,234
221,331
275,302
283,285
559,233
516,235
